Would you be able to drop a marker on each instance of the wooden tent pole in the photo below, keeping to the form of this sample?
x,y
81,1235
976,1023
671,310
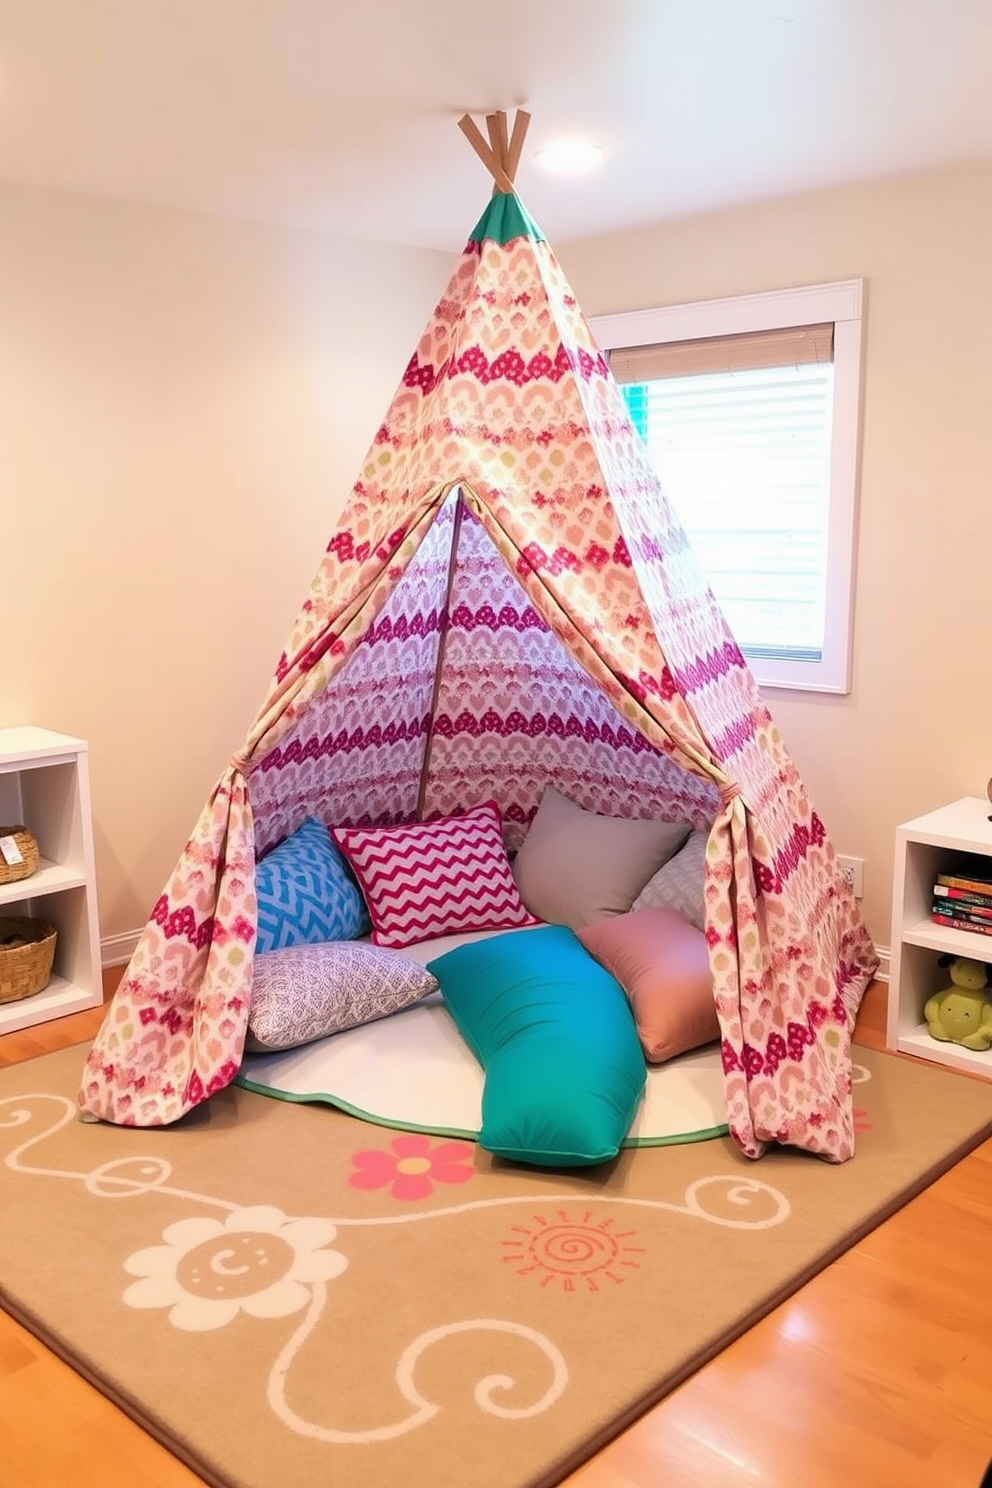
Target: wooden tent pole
x,y
496,125
425,767
498,140
511,159
473,134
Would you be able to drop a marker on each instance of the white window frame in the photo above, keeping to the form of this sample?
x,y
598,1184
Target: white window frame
x,y
840,302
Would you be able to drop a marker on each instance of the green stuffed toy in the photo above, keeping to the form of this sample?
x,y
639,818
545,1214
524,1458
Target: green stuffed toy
x,y
962,1013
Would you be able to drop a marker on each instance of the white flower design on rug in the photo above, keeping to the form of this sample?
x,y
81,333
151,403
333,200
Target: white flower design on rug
x,y
263,1261
255,1261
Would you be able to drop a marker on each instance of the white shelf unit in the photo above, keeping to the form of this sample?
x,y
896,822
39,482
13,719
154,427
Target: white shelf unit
x,y
44,785
926,846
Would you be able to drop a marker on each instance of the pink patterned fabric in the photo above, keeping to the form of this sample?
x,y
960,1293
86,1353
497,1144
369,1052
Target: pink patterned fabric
x,y
354,756
514,711
580,646
441,877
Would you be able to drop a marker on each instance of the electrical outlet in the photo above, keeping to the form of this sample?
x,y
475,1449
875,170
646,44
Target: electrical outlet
x,y
853,870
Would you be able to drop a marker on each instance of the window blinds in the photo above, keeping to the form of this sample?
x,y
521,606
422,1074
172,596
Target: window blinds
x,y
739,430
793,346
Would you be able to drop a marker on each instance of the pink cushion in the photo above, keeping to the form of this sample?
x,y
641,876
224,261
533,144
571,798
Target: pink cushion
x,y
663,964
435,878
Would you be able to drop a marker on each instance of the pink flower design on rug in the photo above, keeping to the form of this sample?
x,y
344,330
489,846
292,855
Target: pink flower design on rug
x,y
861,1122
413,1166
577,1254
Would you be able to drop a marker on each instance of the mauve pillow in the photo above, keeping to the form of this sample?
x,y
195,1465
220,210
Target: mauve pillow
x,y
575,866
663,964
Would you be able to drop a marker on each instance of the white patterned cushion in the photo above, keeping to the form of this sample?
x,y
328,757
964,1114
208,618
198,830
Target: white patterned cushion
x,y
307,992
435,878
679,883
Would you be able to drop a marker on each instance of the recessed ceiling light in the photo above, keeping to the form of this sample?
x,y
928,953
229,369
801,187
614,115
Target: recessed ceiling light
x,y
570,157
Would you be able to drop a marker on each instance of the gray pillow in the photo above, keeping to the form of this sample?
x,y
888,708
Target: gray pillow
x,y
306,992
679,883
575,866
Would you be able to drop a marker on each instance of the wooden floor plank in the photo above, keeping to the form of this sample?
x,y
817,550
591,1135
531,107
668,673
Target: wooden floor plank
x,y
877,1372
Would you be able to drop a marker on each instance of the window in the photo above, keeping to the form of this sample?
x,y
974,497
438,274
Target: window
x,y
749,408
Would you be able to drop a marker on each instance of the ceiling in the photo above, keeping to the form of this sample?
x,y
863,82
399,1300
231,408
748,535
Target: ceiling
x,y
341,115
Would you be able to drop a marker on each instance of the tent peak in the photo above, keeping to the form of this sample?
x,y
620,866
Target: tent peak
x,y
501,155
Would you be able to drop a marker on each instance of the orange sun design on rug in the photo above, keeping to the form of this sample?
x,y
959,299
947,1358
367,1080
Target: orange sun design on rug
x,y
579,1255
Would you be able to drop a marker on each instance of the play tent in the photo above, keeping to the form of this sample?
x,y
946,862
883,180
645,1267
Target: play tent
x,y
508,601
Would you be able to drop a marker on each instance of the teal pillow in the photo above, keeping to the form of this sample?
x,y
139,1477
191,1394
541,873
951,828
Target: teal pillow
x,y
554,1033
306,893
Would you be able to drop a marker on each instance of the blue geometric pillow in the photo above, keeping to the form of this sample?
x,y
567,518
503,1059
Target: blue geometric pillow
x,y
306,893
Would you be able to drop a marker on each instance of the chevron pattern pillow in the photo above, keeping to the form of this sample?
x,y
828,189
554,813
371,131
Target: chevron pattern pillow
x,y
440,877
305,893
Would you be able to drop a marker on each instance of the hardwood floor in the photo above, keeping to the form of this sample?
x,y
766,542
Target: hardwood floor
x,y
878,1372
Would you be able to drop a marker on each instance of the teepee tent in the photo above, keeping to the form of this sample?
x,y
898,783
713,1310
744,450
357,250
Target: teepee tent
x,y
508,601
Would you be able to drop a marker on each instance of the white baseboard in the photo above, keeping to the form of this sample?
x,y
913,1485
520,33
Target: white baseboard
x,y
884,961
117,950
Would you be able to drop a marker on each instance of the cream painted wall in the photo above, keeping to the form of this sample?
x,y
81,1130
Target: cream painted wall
x,y
916,729
184,405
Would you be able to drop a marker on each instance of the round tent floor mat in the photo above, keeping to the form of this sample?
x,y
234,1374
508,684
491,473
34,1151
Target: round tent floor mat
x,y
413,1070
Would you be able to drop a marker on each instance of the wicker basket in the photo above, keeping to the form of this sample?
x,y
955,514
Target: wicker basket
x,y
27,950
28,849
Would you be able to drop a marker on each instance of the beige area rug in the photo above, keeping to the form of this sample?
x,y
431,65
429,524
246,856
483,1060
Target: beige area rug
x,y
287,1295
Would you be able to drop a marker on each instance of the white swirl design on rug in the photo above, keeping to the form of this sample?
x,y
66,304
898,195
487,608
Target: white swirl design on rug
x,y
425,1410
263,1263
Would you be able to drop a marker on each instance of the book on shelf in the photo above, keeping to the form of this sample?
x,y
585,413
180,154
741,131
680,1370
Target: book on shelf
x,y
954,922
974,878
963,896
959,911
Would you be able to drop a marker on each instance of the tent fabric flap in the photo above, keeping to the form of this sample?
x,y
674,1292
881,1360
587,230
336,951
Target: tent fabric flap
x,y
175,1030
